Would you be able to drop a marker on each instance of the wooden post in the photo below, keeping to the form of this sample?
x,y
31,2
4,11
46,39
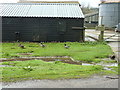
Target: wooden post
x,y
102,33
102,29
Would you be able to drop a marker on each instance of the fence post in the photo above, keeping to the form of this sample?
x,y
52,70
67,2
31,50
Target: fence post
x,y
101,35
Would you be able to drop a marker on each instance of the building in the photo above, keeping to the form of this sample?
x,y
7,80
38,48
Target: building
x,y
109,13
91,19
42,22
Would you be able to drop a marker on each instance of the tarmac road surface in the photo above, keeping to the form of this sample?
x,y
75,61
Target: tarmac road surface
x,y
94,82
116,49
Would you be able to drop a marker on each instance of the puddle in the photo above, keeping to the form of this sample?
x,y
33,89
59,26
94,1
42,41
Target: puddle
x,y
108,64
113,64
6,66
87,64
112,77
106,68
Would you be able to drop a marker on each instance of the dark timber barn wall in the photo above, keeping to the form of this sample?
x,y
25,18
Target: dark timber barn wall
x,y
42,29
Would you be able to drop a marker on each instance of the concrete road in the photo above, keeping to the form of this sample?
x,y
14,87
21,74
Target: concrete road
x,y
108,35
94,82
116,49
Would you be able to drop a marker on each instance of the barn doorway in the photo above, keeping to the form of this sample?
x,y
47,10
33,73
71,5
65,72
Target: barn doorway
x,y
39,30
40,36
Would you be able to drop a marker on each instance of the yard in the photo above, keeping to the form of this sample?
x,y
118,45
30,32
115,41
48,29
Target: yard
x,y
31,67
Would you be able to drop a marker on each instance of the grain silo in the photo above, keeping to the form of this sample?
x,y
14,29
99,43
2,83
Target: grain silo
x,y
109,13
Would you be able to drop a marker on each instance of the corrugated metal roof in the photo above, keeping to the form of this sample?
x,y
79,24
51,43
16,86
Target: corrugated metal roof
x,y
41,10
44,1
91,14
110,1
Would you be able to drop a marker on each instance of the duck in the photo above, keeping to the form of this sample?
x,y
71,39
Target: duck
x,y
22,46
18,41
65,45
112,57
42,45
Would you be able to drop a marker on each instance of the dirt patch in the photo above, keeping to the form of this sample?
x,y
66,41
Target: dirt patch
x,y
64,59
68,60
24,53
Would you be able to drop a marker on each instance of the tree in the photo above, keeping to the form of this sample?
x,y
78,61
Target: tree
x,y
86,8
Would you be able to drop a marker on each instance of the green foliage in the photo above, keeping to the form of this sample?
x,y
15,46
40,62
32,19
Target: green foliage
x,y
6,54
6,63
87,9
109,61
97,60
58,62
114,68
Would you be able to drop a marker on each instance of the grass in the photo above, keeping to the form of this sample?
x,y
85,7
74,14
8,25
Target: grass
x,y
88,51
39,69
109,61
113,71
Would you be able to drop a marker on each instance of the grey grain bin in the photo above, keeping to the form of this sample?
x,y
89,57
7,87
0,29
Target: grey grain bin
x,y
42,22
109,14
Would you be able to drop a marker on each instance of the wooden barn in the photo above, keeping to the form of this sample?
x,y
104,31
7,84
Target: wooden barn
x,y
42,22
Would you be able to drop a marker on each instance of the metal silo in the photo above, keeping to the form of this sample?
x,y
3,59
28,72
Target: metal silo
x,y
109,13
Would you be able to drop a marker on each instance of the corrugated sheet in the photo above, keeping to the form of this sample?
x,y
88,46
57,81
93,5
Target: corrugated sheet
x,y
109,14
110,1
91,14
41,10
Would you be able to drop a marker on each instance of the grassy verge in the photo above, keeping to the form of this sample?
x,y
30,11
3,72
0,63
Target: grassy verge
x,y
87,51
37,69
